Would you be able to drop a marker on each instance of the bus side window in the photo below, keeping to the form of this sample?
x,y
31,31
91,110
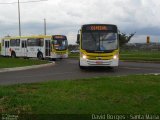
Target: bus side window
x,y
15,42
31,42
40,42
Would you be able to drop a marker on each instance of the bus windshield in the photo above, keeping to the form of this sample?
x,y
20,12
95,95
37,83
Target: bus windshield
x,y
99,41
60,44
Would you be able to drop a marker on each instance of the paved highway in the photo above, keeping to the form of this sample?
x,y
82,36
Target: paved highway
x,y
68,69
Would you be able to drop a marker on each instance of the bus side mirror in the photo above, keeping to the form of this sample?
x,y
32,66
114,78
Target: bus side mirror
x,y
119,35
78,38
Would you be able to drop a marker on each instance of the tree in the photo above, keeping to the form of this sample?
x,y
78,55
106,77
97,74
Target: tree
x,y
123,38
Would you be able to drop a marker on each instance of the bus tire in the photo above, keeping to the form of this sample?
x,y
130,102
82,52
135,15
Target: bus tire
x,y
113,69
82,67
54,59
40,56
13,55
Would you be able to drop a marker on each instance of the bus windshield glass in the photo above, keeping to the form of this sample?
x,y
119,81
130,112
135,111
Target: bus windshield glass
x,y
60,42
99,41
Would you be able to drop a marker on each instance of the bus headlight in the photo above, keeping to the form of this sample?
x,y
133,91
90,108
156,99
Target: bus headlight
x,y
84,56
115,57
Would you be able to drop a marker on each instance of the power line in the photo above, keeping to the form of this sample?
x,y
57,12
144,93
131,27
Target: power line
x,y
22,2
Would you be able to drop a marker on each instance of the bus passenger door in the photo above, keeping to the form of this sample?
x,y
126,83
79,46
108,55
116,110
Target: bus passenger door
x,y
24,48
47,48
7,51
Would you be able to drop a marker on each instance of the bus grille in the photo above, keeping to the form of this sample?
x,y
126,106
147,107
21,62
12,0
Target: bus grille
x,y
108,57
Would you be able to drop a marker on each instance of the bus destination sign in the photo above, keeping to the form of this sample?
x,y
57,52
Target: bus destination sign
x,y
112,28
95,28
59,37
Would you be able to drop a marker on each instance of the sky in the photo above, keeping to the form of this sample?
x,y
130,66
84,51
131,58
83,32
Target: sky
x,y
66,17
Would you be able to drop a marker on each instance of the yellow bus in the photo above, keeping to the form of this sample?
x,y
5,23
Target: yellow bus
x,y
59,46
99,45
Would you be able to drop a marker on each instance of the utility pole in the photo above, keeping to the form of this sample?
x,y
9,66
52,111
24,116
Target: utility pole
x,y
19,18
45,31
19,13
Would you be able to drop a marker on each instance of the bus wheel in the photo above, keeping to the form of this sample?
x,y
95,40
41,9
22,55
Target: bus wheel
x,y
54,59
13,55
114,69
82,67
40,56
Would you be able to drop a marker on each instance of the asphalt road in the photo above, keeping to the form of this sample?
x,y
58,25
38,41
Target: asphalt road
x,y
68,69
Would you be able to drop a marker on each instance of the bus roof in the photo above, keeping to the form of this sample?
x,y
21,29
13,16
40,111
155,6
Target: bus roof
x,y
33,36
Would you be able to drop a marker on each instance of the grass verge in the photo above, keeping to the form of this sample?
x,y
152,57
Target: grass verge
x,y
19,62
141,55
135,94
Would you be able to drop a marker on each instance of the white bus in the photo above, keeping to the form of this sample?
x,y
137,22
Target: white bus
x,y
42,46
29,46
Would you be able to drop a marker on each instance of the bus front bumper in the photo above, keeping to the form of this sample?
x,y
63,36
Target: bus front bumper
x,y
59,56
111,63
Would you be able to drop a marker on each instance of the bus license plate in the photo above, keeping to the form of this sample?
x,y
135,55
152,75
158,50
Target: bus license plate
x,y
99,62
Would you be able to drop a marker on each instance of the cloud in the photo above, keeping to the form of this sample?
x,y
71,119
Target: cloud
x,y
66,16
